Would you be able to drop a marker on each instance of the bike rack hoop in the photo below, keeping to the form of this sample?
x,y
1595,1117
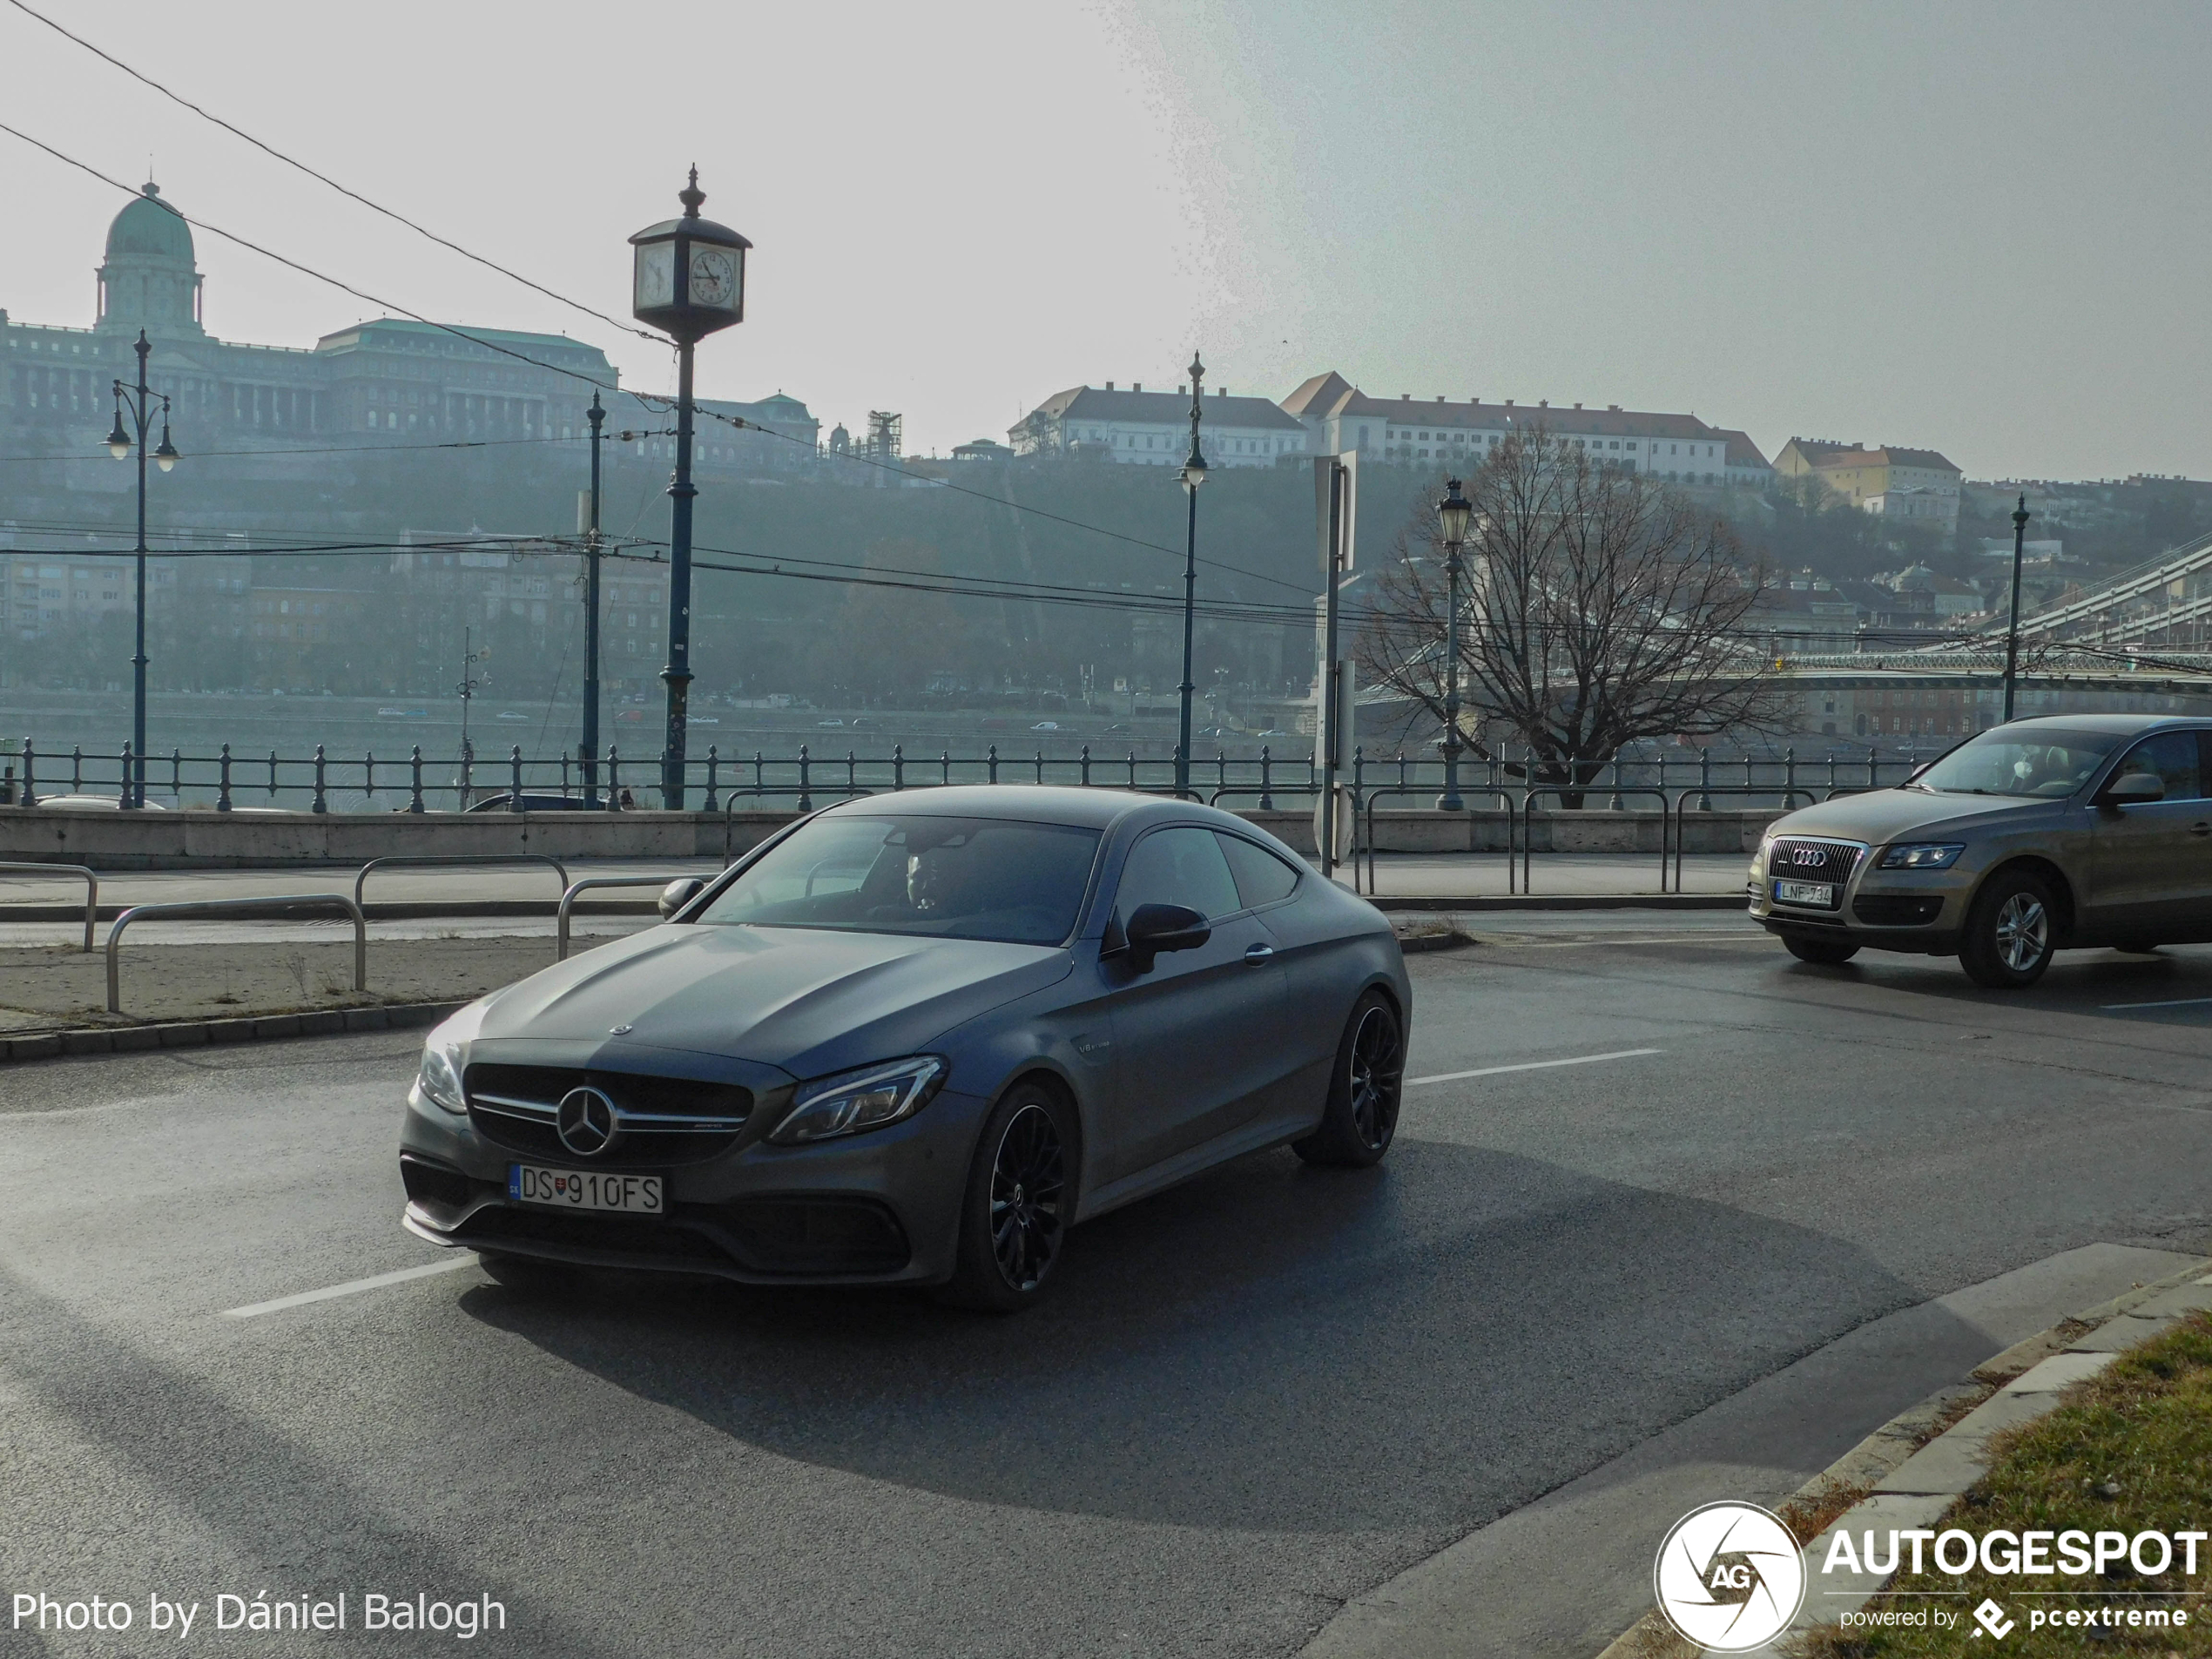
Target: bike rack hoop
x,y
190,907
1528,822
568,899
1682,808
428,860
91,886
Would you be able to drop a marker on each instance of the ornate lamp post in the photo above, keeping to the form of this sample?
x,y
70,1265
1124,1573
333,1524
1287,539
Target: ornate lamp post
x,y
1194,474
1453,514
122,444
688,280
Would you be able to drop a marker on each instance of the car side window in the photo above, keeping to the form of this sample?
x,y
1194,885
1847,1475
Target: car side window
x,y
2171,757
1261,877
1178,865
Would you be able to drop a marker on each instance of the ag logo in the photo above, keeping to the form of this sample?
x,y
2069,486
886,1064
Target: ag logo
x,y
1728,1577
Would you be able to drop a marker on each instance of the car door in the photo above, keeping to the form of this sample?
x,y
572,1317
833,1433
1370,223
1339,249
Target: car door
x,y
1197,1035
2151,863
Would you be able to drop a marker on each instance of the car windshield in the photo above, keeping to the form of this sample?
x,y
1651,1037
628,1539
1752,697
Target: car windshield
x,y
955,878
2013,761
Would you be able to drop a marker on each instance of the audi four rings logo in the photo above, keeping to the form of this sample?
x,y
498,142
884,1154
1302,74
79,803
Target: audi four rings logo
x,y
1807,855
586,1122
1728,1577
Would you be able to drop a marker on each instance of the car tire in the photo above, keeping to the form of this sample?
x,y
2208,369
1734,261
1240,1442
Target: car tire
x,y
1824,953
1360,1115
1018,1202
2011,931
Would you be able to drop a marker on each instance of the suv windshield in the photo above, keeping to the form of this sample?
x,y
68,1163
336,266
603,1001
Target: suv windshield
x,y
2012,761
957,878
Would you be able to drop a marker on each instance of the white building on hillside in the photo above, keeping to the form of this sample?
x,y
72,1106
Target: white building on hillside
x,y
1153,428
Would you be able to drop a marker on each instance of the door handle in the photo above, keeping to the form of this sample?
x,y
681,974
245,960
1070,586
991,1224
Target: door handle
x,y
2201,829
1258,954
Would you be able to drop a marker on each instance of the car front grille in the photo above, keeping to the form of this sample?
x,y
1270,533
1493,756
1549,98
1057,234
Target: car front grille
x,y
651,1241
661,1120
1811,860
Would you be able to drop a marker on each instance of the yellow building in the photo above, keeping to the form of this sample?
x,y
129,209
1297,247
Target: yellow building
x,y
1916,484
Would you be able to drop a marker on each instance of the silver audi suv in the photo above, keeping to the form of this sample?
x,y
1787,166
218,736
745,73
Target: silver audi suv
x,y
2047,835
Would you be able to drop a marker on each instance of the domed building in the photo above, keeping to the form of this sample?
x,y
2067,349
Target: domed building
x,y
148,279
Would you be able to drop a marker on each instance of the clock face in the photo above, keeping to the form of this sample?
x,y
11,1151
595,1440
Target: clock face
x,y
714,279
655,277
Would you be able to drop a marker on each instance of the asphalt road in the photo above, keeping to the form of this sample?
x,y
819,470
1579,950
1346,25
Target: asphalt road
x,y
1255,1403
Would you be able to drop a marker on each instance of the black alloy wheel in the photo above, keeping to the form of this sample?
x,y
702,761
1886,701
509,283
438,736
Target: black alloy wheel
x,y
1361,1113
1020,1197
1827,953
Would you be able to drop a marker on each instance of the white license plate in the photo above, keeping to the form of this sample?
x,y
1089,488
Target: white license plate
x,y
1813,892
637,1195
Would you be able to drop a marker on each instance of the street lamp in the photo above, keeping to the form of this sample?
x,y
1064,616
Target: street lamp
x,y
1453,514
1193,475
2012,629
140,399
688,280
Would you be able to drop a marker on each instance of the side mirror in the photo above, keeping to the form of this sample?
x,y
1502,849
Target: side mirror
x,y
1157,928
2133,790
680,893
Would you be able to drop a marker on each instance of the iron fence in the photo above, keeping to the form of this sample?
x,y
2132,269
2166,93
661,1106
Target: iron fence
x,y
325,782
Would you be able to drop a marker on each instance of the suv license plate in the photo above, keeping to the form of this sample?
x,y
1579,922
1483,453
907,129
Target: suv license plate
x,y
1813,892
637,1195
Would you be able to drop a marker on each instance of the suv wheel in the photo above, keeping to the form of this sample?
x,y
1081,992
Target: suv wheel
x,y
1828,953
2010,933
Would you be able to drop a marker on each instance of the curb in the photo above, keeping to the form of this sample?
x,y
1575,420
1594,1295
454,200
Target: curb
x,y
188,1033
1902,1468
1392,901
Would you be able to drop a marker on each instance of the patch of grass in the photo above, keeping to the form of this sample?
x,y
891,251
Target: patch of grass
x,y
2129,1451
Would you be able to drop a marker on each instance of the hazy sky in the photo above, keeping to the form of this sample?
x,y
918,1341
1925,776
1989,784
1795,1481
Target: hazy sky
x,y
1981,229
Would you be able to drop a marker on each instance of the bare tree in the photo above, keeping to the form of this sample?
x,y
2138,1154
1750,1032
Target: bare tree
x,y
1598,608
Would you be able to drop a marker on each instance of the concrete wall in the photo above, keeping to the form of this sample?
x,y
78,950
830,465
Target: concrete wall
x,y
261,840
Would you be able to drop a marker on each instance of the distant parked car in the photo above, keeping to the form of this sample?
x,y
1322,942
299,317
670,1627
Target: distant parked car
x,y
1046,725
1118,726
531,803
630,717
92,803
510,714
829,723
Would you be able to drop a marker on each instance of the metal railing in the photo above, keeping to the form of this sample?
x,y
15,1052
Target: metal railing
x,y
567,901
91,887
1528,826
1367,808
324,782
1705,805
428,860
232,907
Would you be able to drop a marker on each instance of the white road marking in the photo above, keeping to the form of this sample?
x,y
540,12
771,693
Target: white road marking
x,y
352,1287
2178,1003
1531,1065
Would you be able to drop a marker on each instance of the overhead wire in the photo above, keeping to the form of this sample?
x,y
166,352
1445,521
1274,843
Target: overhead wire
x,y
290,161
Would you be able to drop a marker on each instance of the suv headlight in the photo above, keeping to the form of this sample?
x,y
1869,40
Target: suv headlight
x,y
853,1101
1921,855
439,1079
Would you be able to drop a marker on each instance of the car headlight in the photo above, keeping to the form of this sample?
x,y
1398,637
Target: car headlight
x,y
438,1080
853,1101
1921,855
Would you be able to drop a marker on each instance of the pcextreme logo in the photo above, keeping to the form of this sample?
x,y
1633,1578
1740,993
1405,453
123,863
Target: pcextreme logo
x,y
1728,1577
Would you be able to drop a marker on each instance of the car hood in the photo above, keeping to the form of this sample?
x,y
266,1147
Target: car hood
x,y
1883,815
805,1000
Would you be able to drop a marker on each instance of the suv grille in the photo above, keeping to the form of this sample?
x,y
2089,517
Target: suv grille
x,y
663,1120
1806,861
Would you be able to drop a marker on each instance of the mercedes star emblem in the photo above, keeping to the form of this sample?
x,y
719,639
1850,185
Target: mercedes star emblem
x,y
586,1122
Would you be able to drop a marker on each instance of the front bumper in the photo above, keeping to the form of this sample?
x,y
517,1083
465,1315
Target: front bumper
x,y
1920,911
878,1208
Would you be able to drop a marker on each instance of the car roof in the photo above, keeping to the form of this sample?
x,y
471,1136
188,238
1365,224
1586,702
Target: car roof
x,y
1030,803
2124,724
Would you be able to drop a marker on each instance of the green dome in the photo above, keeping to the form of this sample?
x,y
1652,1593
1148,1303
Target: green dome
x,y
150,225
